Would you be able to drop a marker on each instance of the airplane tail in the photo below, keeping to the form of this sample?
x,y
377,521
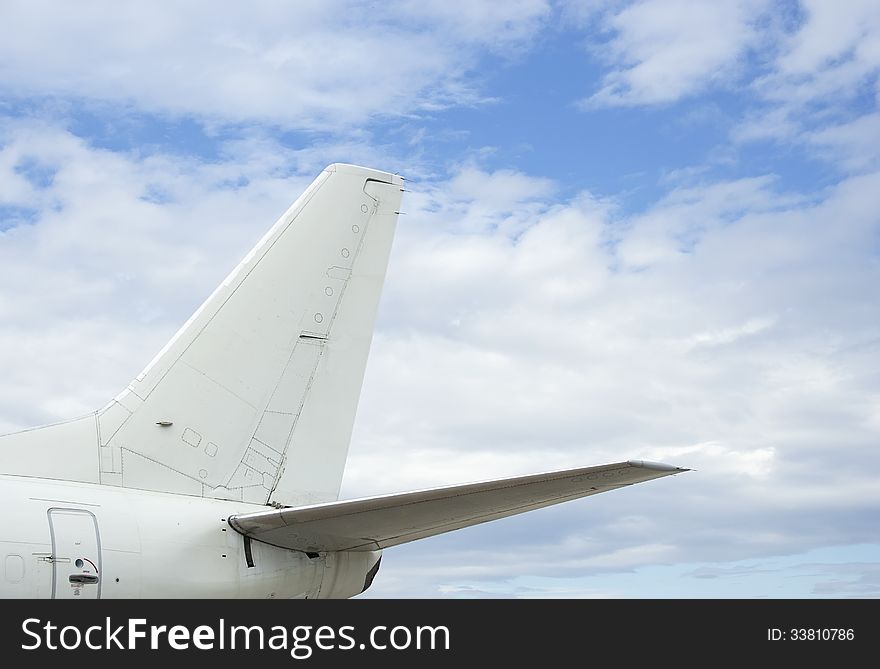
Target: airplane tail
x,y
255,397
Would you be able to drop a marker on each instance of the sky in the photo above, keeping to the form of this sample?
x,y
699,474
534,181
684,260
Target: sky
x,y
634,230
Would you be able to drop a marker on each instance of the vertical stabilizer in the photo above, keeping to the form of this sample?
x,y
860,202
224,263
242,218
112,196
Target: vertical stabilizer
x,y
254,398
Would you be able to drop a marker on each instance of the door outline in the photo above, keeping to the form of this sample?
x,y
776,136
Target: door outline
x,y
99,566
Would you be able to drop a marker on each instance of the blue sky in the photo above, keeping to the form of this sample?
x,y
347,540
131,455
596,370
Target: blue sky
x,y
635,230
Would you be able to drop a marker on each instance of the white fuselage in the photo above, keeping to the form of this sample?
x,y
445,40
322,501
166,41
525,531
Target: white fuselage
x,y
62,539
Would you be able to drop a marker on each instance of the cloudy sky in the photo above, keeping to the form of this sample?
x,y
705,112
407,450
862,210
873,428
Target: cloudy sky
x,y
635,230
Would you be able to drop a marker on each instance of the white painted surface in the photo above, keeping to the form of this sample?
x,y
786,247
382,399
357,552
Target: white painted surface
x,y
154,545
254,398
390,520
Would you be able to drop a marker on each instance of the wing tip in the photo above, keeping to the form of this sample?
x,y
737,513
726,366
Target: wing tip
x,y
657,466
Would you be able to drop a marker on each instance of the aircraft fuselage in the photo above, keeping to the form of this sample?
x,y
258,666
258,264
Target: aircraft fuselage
x,y
73,540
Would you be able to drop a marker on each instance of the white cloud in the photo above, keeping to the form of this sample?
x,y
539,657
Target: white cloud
x,y
821,89
682,218
497,26
806,74
853,144
316,64
664,50
835,47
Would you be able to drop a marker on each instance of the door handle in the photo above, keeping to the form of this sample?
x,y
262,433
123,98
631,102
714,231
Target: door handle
x,y
48,557
83,578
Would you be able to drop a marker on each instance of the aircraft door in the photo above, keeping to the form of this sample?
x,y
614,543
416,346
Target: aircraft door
x,y
76,554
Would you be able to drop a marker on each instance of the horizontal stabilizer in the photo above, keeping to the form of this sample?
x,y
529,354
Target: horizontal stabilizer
x,y
380,522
